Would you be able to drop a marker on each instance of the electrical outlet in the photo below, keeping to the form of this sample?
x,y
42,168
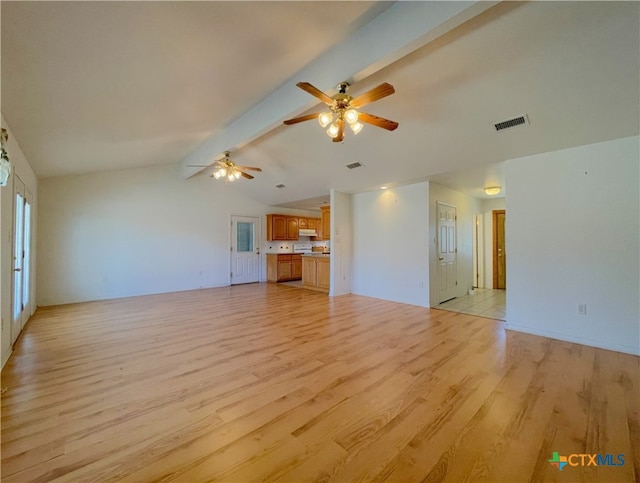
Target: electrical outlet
x,y
582,309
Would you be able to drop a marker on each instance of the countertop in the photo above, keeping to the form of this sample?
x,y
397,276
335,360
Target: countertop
x,y
321,255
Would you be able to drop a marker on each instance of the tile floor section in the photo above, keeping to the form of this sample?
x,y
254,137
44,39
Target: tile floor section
x,y
486,302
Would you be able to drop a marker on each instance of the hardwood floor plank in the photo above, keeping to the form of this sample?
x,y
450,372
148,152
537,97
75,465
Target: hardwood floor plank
x,y
269,383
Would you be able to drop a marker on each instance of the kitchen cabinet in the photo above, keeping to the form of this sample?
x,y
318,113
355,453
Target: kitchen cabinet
x,y
276,227
323,274
303,223
316,273
292,228
326,222
284,267
323,224
282,227
296,267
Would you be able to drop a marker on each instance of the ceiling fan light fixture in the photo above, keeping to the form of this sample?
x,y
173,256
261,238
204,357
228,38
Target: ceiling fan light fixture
x,y
492,190
356,127
325,118
333,130
351,116
344,109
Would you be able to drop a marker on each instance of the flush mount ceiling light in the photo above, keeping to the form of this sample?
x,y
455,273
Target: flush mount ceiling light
x,y
492,190
228,170
344,108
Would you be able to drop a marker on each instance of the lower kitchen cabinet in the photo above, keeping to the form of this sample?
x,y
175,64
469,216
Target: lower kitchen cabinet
x,y
316,273
283,267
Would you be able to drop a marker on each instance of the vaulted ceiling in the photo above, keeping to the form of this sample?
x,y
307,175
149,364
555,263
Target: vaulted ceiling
x,y
96,86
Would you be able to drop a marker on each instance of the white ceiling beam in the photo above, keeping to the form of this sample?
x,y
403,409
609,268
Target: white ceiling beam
x,y
399,30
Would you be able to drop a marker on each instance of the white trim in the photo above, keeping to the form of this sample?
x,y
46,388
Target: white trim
x,y
626,349
7,356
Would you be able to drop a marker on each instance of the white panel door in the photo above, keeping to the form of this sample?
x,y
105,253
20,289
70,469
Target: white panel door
x,y
447,251
245,249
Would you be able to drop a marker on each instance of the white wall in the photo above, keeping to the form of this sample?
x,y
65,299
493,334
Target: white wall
x,y
487,206
23,170
391,244
341,243
573,231
134,232
466,208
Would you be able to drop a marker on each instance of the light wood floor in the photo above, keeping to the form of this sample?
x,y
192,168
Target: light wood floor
x,y
263,382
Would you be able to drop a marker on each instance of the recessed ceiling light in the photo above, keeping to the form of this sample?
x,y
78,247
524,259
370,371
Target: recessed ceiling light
x,y
383,187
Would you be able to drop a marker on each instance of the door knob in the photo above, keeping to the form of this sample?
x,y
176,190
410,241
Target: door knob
x,y
440,258
17,270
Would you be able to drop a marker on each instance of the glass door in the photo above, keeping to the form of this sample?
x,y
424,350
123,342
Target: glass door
x,y
21,289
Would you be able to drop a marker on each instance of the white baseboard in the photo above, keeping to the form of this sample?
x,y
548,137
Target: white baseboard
x,y
6,357
626,349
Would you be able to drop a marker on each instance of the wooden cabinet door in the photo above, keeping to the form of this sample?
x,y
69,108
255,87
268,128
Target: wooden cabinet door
x,y
272,267
312,223
292,228
276,227
279,227
308,271
323,274
296,267
319,230
284,270
326,222
303,223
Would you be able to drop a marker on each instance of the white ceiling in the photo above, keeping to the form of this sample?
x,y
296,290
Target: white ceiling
x,y
95,86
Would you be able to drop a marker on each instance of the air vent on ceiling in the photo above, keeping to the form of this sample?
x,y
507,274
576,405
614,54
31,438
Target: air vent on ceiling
x,y
354,165
280,186
509,123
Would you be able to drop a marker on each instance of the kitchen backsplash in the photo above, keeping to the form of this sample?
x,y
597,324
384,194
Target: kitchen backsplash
x,y
287,247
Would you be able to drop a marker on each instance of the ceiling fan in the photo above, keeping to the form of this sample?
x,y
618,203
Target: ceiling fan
x,y
343,108
228,170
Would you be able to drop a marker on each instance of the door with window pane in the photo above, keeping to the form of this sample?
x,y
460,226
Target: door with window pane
x,y
245,249
21,286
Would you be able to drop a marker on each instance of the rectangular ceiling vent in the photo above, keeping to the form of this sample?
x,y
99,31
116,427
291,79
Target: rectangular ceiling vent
x,y
280,186
509,123
354,165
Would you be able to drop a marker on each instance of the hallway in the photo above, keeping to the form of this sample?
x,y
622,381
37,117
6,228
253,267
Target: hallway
x,y
486,302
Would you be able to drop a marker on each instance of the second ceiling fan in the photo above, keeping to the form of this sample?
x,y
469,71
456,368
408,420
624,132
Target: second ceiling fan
x,y
343,108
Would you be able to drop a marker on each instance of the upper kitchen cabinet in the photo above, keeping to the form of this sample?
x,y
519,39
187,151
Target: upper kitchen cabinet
x,y
276,227
282,227
292,228
325,223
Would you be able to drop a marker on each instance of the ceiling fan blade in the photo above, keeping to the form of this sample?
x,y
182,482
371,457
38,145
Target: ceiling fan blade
x,y
340,136
250,168
383,90
246,175
296,120
377,121
314,91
